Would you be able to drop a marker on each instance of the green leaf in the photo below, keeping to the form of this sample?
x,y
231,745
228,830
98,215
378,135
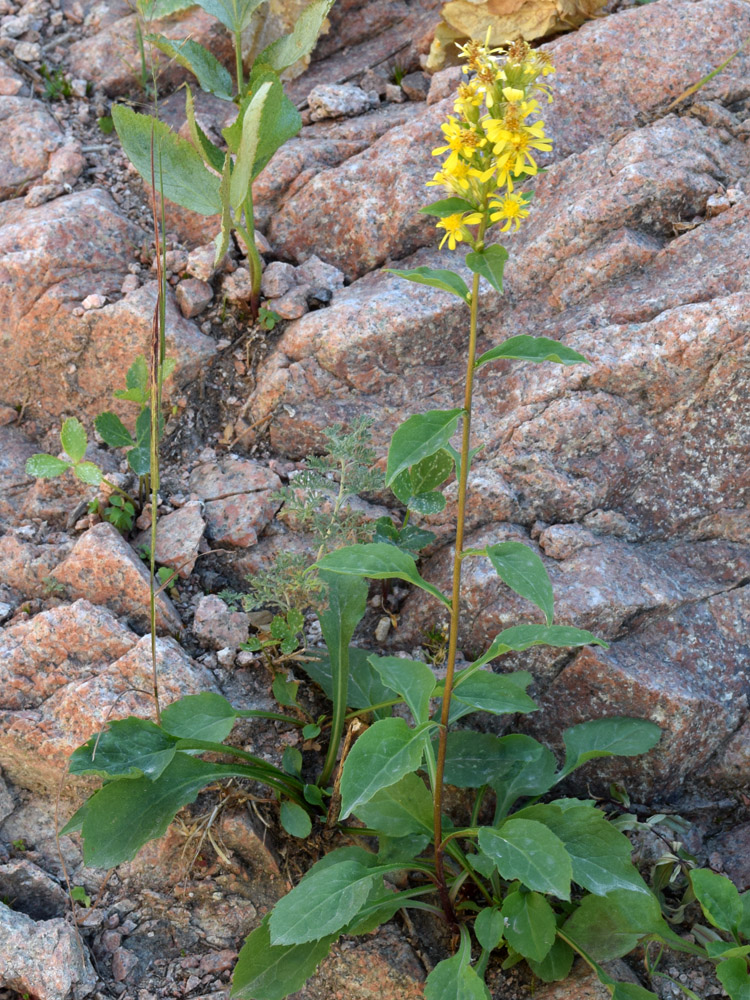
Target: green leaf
x,y
347,602
295,820
632,991
123,815
46,466
499,694
526,348
411,679
233,14
488,928
447,206
139,460
379,561
471,758
280,120
137,376
745,922
323,903
419,437
613,737
365,686
529,924
183,178
403,849
88,473
610,926
206,68
399,810
734,977
285,691
526,850
243,168
73,438
489,263
128,748
113,431
211,154
524,767
271,972
428,503
152,10
600,854
455,979
719,899
205,716
522,637
424,477
442,278
523,571
556,965
288,49
382,755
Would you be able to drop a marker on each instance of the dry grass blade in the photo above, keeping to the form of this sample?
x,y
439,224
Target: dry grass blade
x,y
709,76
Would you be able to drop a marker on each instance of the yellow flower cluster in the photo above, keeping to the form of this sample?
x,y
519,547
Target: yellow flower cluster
x,y
491,139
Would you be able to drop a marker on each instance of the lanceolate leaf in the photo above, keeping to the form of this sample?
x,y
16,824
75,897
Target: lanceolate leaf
x,y
379,561
288,49
614,737
382,755
419,437
242,175
499,694
365,686
207,69
489,263
447,206
413,680
526,348
526,850
184,179
523,571
524,767
211,154
280,121
522,637
442,278
205,716
129,748
271,972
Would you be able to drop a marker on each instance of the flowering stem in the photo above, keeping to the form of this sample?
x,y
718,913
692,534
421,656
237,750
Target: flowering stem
x,y
450,913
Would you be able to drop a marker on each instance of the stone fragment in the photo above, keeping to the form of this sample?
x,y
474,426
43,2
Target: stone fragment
x,y
374,79
7,802
394,93
193,296
321,277
216,626
444,84
716,204
94,301
28,52
200,262
178,536
416,86
124,962
340,100
30,135
560,541
130,283
11,83
734,848
231,475
44,959
28,567
32,891
237,288
277,279
293,304
238,520
65,165
15,450
102,567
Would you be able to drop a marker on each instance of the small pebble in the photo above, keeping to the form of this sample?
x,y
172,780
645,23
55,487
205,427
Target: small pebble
x,y
94,301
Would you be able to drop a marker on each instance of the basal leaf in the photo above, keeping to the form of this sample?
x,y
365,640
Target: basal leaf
x,y
73,438
608,927
524,767
522,637
613,737
382,755
113,431
139,460
46,466
523,571
526,850
128,748
632,991
208,71
378,561
442,278
289,49
526,348
365,686
295,820
489,264
271,972
529,924
719,899
399,810
488,927
735,978
472,758
455,979
428,503
205,716
183,177
419,437
556,965
411,679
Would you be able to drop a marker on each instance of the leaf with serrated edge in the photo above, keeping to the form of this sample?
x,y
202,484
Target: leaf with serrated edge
x,y
73,438
88,473
447,281
112,430
289,49
382,755
526,348
205,716
267,972
489,264
521,569
422,435
612,737
378,561
208,71
411,679
42,466
233,14
526,850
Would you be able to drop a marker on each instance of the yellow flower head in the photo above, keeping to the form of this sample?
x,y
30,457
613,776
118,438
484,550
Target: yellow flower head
x,y
511,208
462,141
455,227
